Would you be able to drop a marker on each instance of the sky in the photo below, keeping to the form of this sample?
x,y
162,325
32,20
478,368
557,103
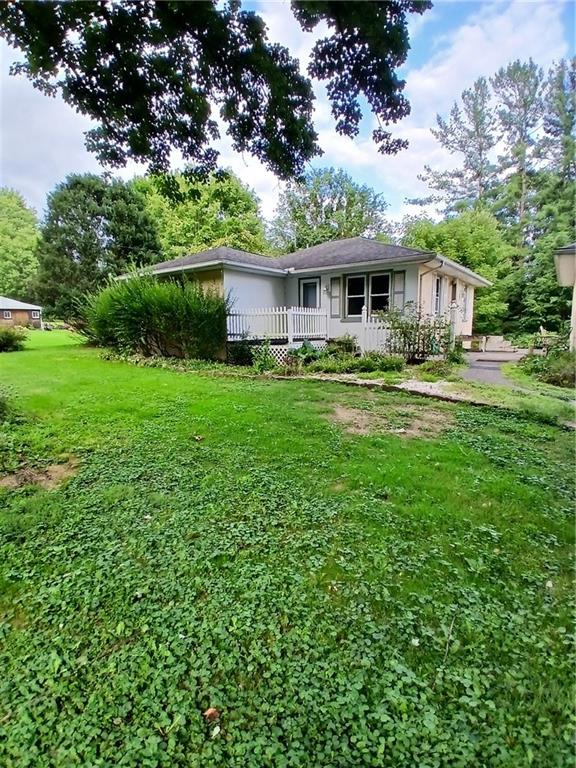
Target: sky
x,y
42,138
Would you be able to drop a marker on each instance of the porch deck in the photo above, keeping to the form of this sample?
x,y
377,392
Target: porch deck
x,y
279,324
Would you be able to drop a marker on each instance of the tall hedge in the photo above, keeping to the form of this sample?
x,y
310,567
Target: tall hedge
x,y
144,315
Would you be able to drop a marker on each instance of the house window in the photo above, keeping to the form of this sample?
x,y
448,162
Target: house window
x,y
35,315
309,292
437,295
453,291
335,297
465,303
399,289
355,295
379,293
7,314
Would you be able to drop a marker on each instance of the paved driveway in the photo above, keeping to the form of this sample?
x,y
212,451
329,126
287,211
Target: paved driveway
x,y
486,367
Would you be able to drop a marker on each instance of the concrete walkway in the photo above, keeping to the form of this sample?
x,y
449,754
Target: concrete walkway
x,y
486,367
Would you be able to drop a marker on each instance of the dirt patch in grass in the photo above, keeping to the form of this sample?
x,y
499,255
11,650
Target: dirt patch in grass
x,y
408,421
48,477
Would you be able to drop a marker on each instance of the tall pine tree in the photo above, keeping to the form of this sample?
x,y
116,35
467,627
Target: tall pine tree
x,y
518,89
470,134
543,301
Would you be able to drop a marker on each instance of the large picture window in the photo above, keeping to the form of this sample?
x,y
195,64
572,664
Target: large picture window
x,y
355,295
379,293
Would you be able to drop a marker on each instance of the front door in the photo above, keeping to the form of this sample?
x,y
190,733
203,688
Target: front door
x,y
310,292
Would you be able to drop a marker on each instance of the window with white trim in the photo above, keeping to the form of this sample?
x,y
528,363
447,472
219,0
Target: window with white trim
x,y
35,314
7,314
334,297
379,299
355,295
437,295
465,303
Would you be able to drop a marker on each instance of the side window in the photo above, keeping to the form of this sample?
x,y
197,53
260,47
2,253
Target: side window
x,y
355,295
335,297
35,315
437,294
7,314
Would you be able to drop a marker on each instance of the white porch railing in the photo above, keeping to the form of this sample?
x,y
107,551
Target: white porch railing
x,y
374,333
291,323
376,336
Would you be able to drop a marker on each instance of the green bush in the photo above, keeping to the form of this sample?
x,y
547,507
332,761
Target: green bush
x,y
414,335
372,361
456,354
240,352
151,317
436,368
262,359
557,368
12,339
342,346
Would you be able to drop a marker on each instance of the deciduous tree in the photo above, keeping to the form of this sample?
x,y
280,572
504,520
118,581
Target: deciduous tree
x,y
475,240
206,214
158,76
95,227
327,205
18,237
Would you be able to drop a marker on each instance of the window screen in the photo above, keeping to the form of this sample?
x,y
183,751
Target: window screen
x,y
379,293
355,295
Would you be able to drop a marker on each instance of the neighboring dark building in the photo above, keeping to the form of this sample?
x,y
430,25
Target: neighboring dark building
x,y
14,312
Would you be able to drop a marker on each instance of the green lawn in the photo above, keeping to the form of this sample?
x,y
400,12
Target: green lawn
x,y
400,597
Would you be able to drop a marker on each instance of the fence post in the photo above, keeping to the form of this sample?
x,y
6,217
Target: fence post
x,y
290,324
364,330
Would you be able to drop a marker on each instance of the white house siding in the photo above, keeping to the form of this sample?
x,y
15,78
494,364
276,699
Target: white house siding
x,y
249,289
338,326
464,298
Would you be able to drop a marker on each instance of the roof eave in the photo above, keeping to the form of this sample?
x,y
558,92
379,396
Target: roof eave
x,y
219,263
473,278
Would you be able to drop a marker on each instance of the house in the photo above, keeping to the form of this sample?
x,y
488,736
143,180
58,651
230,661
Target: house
x,y
14,312
565,261
331,289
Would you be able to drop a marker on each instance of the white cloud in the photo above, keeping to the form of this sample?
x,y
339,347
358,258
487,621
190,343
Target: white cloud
x,y
42,139
493,35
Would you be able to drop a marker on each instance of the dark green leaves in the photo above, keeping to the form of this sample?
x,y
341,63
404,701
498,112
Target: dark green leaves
x,y
153,76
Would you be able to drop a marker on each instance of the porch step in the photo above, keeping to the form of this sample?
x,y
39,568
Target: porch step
x,y
498,344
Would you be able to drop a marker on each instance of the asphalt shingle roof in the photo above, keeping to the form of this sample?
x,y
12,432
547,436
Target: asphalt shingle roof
x,y
351,250
6,303
223,253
